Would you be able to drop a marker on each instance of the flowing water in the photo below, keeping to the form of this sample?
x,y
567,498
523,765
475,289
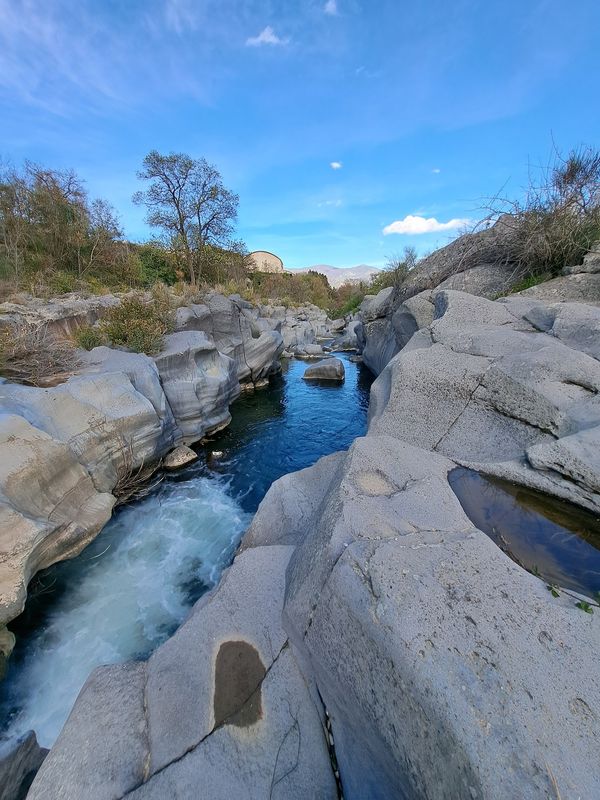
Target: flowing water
x,y
129,590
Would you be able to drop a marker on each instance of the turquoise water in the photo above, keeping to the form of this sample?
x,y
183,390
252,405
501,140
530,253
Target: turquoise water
x,y
130,589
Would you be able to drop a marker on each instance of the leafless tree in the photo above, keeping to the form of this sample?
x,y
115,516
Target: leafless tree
x,y
186,198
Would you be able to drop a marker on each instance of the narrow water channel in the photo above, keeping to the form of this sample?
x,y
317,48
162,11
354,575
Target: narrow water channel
x,y
129,590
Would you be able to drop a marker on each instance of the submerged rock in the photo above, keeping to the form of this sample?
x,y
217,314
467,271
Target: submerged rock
x,y
330,369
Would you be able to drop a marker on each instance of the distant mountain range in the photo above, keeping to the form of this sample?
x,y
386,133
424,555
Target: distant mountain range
x,y
340,275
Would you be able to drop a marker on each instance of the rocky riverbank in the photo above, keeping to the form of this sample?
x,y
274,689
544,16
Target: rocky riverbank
x,y
70,450
365,601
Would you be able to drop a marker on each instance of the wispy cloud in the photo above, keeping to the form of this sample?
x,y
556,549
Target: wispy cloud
x,y
414,225
436,170
330,203
266,36
331,8
180,15
336,165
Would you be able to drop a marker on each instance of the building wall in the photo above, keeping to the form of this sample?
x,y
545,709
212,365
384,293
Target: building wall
x,y
266,262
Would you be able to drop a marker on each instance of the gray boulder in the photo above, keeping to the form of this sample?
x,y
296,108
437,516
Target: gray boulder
x,y
20,759
376,306
330,369
485,254
236,334
348,339
179,457
583,287
49,509
221,708
199,383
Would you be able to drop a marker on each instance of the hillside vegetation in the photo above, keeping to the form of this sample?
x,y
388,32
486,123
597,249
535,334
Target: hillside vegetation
x,y
55,239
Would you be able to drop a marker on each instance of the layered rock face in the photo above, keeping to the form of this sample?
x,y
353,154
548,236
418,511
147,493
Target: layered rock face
x,y
67,450
237,333
300,327
364,594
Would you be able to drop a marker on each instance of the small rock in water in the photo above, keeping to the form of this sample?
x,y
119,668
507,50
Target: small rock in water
x,y
179,457
330,369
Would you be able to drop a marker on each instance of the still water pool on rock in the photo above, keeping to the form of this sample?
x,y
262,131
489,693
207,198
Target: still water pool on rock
x,y
550,538
130,589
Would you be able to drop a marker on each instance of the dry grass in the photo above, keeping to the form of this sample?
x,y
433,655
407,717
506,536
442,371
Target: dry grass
x,y
134,482
30,356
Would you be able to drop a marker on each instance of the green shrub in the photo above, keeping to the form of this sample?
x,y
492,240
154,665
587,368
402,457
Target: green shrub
x,y
137,324
89,337
157,264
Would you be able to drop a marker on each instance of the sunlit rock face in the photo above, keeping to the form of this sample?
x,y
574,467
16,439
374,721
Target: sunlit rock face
x,y
199,383
237,332
66,449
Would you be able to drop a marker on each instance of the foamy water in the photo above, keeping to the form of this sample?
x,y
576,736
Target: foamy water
x,y
134,585
129,591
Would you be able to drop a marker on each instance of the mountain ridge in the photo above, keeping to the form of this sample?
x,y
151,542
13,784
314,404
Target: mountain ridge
x,y
340,275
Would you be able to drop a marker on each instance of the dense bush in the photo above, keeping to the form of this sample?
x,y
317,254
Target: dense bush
x,y
558,220
157,264
138,324
395,270
88,337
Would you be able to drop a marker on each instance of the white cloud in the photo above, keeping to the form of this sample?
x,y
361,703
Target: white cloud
x,y
336,165
266,36
415,225
330,8
334,203
436,170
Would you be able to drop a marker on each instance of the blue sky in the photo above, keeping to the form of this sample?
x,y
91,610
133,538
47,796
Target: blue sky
x,y
427,107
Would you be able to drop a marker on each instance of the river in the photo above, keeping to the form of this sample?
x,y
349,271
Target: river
x,y
130,589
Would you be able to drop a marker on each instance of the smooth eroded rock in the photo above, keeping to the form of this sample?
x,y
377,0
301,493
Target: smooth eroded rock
x,y
330,369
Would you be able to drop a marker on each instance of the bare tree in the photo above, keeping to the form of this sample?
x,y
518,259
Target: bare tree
x,y
14,218
186,198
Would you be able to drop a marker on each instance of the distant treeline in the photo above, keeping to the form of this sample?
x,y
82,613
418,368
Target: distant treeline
x,y
55,239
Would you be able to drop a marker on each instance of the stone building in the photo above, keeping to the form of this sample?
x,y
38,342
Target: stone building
x,y
266,262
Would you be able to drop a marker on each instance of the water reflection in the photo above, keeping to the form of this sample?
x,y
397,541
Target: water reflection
x,y
549,537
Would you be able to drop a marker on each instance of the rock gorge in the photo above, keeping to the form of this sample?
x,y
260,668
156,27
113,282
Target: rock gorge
x,y
68,449
368,638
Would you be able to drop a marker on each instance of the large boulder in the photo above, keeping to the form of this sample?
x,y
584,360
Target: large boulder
x,y
199,383
49,510
20,759
228,321
105,421
221,709
582,287
348,338
329,369
485,255
375,306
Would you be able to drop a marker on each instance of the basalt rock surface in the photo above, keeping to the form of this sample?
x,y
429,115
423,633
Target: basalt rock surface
x,y
68,450
364,595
